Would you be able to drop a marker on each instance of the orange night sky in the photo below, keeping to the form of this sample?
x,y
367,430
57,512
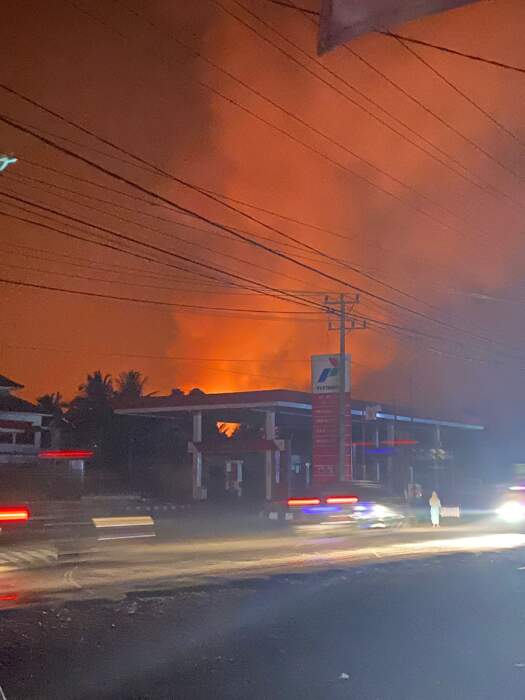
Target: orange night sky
x,y
434,210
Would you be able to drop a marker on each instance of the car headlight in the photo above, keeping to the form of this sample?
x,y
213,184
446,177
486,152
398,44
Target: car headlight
x,y
381,511
512,512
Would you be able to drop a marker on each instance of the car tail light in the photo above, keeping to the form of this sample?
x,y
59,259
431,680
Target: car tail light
x,y
13,514
66,454
304,501
341,499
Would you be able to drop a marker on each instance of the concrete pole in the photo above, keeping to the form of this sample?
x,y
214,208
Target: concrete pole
x,y
196,455
269,434
391,436
376,443
342,389
438,445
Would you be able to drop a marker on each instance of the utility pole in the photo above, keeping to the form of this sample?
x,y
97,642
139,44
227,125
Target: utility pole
x,y
343,326
342,388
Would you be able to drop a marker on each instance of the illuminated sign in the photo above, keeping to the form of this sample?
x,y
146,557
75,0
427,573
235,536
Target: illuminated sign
x,y
325,419
325,374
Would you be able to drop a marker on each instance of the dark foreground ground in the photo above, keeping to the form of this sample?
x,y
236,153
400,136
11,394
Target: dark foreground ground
x,y
446,627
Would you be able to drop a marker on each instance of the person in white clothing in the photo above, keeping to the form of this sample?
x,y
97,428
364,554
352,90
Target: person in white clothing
x,y
435,509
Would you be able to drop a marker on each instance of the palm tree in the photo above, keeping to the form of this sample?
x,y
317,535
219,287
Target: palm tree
x,y
97,388
53,405
130,384
91,412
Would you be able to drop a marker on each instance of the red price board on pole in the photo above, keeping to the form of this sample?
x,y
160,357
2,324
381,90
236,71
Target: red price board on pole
x,y
325,411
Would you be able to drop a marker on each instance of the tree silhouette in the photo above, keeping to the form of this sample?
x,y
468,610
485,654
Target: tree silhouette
x,y
130,384
53,405
91,414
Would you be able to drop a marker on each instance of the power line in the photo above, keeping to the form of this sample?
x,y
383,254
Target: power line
x,y
176,358
455,52
293,137
141,212
467,175
485,186
326,275
156,302
243,203
202,218
234,232
206,192
382,325
193,308
269,290
101,279
222,370
324,68
119,270
293,59
460,92
134,198
437,47
103,244
341,263
172,236
218,287
330,85
294,7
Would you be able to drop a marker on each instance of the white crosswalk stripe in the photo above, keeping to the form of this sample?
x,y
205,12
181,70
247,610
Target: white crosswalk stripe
x,y
29,556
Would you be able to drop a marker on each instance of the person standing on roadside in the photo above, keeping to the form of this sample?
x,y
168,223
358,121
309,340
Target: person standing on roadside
x,y
435,509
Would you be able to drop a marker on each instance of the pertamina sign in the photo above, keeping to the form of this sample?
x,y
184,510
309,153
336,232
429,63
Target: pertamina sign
x,y
325,419
325,374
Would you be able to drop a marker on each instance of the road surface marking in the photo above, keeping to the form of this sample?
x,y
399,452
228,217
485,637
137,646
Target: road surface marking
x,y
125,537
28,556
70,579
127,521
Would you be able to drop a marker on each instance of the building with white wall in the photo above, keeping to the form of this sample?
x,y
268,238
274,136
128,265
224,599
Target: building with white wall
x,y
21,424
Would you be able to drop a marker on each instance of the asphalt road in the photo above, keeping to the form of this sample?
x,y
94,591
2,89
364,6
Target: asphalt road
x,y
52,571
418,629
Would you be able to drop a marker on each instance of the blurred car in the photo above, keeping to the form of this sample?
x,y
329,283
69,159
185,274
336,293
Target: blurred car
x,y
360,504
14,522
511,507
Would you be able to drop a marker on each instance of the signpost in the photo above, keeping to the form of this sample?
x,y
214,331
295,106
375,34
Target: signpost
x,y
325,414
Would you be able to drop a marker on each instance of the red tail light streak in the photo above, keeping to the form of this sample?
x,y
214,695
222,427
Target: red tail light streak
x,y
13,514
304,501
341,499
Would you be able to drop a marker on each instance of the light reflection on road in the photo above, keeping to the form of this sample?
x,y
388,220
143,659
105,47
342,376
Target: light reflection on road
x,y
169,564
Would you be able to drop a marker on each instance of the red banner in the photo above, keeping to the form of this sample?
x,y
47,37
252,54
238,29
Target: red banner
x,y
344,20
325,438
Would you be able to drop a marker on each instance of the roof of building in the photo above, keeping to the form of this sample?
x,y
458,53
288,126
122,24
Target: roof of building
x,y
298,401
6,383
8,402
177,400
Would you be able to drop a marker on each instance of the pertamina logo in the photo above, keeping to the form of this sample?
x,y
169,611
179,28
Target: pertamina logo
x,y
328,372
